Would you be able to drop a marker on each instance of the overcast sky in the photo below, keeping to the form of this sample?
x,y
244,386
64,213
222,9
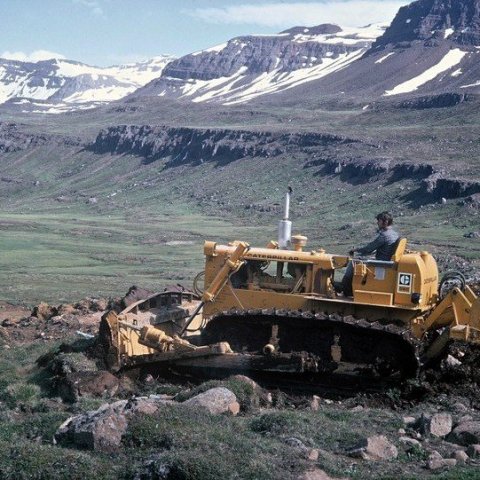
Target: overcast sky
x,y
107,32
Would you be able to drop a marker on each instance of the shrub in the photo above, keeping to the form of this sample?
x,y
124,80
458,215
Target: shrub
x,y
21,394
277,423
40,425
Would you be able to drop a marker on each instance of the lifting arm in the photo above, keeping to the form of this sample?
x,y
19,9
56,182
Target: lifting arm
x,y
233,263
459,310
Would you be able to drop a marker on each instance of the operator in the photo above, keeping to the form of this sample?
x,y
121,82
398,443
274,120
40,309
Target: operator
x,y
383,245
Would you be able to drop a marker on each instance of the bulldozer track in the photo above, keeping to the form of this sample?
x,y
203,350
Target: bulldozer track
x,y
385,347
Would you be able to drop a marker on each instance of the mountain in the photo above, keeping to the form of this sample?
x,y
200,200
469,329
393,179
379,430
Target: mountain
x,y
59,85
430,20
432,47
249,66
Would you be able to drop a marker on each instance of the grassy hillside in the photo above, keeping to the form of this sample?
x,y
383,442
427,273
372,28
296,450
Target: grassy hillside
x,y
78,224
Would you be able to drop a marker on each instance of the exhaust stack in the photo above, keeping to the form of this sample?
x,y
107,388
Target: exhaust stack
x,y
285,225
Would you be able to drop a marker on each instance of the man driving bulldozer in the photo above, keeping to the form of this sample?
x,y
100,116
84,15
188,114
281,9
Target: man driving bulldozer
x,y
383,245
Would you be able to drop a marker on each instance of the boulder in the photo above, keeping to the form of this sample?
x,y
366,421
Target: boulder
x,y
466,433
376,447
103,429
438,425
81,384
64,363
216,401
100,430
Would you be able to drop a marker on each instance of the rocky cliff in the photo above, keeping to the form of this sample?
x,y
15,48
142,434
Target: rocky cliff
x,y
195,146
14,137
434,20
354,161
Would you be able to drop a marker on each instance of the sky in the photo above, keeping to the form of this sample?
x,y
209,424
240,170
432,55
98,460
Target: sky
x,y
111,32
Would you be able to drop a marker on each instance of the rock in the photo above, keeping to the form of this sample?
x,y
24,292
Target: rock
x,y
401,431
100,430
436,461
312,454
98,304
439,425
66,309
149,380
259,394
466,433
356,409
412,442
444,201
376,447
43,311
234,408
135,294
459,407
7,323
472,235
146,405
154,467
92,200
461,457
295,443
473,451
65,363
315,403
4,334
409,420
82,384
103,429
452,362
317,474
216,401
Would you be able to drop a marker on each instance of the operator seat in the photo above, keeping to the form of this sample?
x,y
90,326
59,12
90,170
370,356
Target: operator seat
x,y
400,246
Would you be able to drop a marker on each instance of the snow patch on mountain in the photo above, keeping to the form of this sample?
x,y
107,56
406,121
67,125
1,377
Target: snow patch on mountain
x,y
347,35
382,59
448,33
278,81
450,60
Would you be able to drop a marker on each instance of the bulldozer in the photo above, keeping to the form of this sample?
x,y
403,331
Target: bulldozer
x,y
276,309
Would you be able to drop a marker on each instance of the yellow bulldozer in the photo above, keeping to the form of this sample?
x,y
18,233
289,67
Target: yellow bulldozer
x,y
276,309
